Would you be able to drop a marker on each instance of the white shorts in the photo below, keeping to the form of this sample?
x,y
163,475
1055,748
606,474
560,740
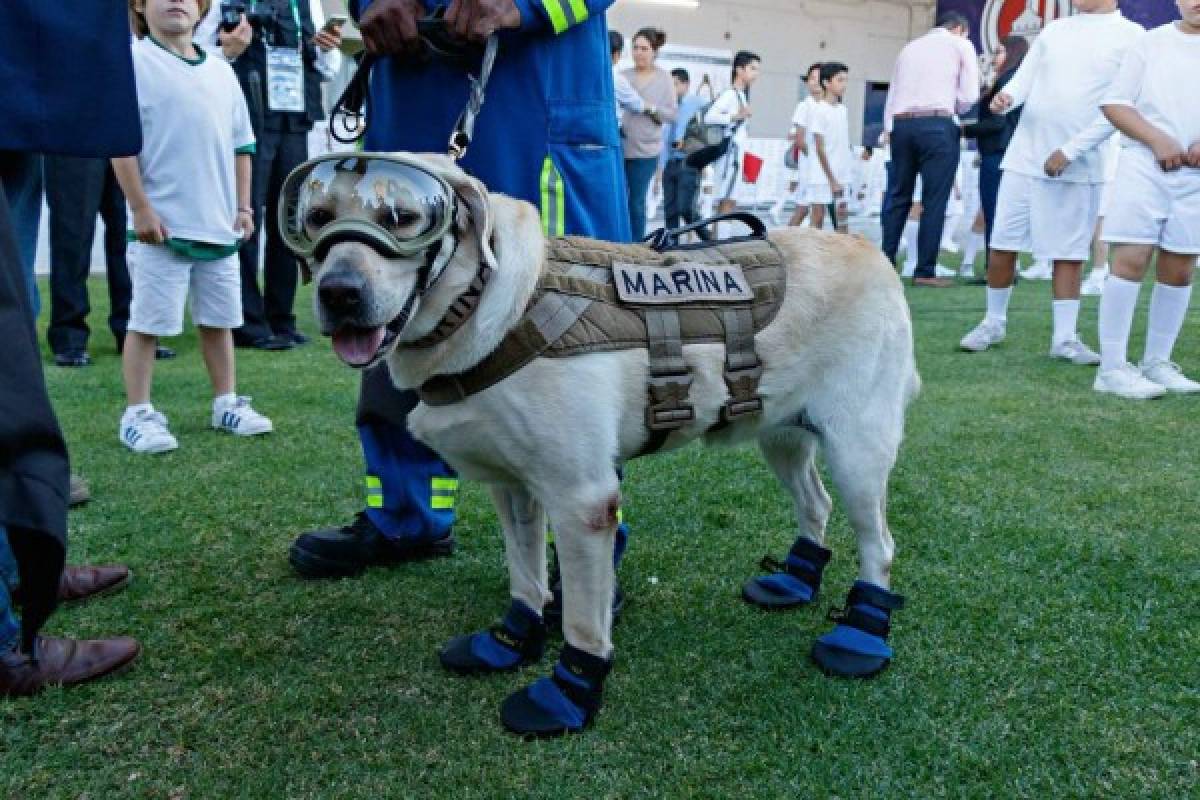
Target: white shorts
x,y
1150,206
1106,197
818,194
163,279
726,173
1053,219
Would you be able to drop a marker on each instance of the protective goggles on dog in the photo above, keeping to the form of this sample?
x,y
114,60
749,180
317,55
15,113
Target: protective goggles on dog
x,y
389,202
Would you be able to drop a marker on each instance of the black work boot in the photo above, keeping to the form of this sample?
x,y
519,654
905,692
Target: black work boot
x,y
348,551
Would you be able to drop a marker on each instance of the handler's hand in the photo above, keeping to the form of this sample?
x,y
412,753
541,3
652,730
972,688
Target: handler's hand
x,y
1194,155
478,19
245,224
1169,154
235,42
327,40
1057,164
148,227
389,27
1001,103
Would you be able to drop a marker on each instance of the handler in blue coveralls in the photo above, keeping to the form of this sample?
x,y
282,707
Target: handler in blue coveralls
x,y
548,134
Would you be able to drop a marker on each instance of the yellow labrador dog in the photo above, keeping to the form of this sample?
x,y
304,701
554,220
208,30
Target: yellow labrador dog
x,y
398,240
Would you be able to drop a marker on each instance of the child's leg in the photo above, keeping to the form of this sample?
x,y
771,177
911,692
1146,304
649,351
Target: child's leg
x,y
1168,304
1117,303
817,215
137,367
217,346
841,217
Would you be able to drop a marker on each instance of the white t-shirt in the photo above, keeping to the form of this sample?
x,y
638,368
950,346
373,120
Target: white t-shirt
x,y
1158,78
832,122
723,109
194,120
1061,82
802,118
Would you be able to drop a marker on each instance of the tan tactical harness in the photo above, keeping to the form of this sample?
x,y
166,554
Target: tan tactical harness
x,y
575,309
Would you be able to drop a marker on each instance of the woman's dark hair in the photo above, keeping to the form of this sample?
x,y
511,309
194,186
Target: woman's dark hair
x,y
1015,50
616,42
831,70
654,36
742,59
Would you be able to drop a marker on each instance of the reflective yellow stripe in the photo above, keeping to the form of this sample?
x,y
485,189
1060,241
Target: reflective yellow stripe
x,y
374,501
620,516
373,482
558,18
553,201
440,503
445,483
579,10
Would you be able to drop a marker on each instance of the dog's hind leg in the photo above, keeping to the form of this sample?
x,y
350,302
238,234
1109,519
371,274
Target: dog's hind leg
x,y
861,451
520,638
794,582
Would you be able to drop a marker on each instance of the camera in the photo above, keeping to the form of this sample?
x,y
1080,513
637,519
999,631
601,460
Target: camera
x,y
259,15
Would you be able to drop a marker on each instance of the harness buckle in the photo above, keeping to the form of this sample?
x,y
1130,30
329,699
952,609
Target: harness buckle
x,y
743,392
668,408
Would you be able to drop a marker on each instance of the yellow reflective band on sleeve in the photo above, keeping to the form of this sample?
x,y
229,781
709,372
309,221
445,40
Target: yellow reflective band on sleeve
x,y
553,200
558,18
579,10
441,503
445,483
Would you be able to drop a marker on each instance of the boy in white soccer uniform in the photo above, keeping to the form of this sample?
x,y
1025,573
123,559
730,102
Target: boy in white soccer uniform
x,y
1155,206
1053,169
833,159
802,141
189,191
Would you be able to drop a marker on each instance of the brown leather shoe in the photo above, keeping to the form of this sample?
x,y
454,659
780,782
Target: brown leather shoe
x,y
80,492
64,662
86,583
933,283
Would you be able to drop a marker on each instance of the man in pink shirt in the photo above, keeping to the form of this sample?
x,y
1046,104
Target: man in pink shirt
x,y
936,77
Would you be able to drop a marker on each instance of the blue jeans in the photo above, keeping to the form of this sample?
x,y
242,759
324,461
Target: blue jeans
x,y
989,189
10,628
22,181
638,174
929,147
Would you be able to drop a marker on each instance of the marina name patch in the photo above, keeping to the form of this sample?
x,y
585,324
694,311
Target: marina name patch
x,y
681,283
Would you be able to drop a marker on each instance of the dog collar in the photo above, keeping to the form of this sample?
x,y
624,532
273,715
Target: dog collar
x,y
459,312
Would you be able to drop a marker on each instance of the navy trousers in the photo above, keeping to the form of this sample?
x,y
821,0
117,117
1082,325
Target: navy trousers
x,y
929,147
989,190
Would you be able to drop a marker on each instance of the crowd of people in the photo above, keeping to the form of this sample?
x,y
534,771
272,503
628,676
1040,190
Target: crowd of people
x,y
220,117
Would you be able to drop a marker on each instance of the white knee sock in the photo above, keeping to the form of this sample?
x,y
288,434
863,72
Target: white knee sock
x,y
1168,307
1117,304
997,305
971,249
1066,318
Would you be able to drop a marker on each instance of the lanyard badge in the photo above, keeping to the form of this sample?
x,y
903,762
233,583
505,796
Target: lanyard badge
x,y
285,72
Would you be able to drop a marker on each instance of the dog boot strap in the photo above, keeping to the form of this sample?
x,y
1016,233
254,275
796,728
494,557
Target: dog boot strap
x,y
857,646
793,582
519,639
573,692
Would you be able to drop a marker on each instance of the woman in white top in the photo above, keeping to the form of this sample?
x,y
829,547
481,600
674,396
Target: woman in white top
x,y
732,109
643,133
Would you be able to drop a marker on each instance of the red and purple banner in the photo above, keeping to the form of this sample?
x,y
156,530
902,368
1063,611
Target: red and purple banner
x,y
992,20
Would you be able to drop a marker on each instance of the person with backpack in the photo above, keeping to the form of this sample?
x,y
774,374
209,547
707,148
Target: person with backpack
x,y
680,180
731,109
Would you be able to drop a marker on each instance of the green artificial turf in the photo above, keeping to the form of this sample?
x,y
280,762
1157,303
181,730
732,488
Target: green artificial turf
x,y
1048,546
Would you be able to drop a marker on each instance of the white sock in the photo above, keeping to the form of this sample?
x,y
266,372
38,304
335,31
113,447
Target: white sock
x,y
1066,318
971,250
997,305
138,408
1117,304
1168,307
225,400
1100,270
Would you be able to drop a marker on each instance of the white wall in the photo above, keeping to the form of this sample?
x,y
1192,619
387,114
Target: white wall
x,y
789,35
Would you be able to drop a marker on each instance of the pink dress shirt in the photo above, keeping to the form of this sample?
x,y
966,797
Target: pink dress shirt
x,y
937,72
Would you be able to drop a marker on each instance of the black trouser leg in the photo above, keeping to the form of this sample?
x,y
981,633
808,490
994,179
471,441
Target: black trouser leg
x,y
281,271
73,190
120,288
254,317
670,183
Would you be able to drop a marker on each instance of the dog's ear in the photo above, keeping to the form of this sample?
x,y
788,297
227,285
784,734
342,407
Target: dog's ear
x,y
479,224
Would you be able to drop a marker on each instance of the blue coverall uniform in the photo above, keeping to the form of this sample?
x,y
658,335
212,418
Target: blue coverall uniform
x,y
547,134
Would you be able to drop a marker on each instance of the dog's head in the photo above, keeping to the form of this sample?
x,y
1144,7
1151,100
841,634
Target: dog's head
x,y
381,231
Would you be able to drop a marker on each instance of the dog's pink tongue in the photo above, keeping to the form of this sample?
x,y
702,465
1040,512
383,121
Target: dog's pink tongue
x,y
357,346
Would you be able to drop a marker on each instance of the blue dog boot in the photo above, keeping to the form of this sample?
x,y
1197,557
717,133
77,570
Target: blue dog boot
x,y
792,583
566,702
857,646
518,640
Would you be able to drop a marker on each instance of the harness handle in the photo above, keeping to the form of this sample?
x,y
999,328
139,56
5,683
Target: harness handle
x,y
664,239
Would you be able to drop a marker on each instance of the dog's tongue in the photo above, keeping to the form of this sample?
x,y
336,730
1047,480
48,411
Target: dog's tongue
x,y
357,346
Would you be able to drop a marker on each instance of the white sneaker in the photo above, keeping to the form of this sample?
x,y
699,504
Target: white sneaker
x,y
1126,381
240,419
1093,285
146,431
986,334
967,270
1168,375
1040,271
944,272
1076,352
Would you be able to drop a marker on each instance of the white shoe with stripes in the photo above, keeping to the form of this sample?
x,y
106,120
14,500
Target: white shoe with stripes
x,y
239,418
146,431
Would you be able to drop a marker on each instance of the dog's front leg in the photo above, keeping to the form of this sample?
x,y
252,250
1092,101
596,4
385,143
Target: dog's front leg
x,y
524,523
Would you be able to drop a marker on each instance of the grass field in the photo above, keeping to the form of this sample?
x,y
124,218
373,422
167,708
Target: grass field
x,y
1048,545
